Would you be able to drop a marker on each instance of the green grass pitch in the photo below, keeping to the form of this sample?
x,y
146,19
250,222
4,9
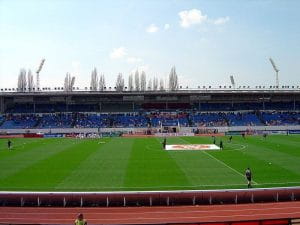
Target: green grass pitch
x,y
135,164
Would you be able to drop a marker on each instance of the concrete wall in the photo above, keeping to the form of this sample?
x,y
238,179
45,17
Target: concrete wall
x,y
149,198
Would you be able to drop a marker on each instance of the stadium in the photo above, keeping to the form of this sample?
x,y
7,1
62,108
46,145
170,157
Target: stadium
x,y
104,149
98,126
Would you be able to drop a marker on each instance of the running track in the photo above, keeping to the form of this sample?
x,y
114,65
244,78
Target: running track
x,y
151,215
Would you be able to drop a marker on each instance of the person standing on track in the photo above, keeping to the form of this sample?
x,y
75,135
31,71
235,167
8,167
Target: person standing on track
x,y
80,220
248,176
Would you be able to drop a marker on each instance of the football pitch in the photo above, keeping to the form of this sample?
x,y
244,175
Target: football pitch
x,y
136,164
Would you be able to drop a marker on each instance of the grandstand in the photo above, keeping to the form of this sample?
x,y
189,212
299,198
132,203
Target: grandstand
x,y
214,108
149,112
141,120
152,114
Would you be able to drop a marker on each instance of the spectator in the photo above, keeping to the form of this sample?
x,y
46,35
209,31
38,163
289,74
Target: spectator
x,y
80,220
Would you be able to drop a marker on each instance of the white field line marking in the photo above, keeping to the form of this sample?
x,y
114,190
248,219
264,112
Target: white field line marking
x,y
192,186
242,147
224,164
203,216
160,218
159,211
207,216
227,165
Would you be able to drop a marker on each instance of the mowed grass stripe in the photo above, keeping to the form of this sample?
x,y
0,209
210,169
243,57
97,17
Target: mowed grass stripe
x,y
104,170
200,168
19,146
46,173
274,159
27,154
142,164
222,160
263,169
151,167
270,152
285,144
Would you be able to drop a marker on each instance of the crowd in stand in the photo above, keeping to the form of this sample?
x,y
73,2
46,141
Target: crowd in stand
x,y
18,121
55,121
209,119
168,118
89,120
281,118
148,119
244,119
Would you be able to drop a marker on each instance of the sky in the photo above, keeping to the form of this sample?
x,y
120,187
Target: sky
x,y
206,40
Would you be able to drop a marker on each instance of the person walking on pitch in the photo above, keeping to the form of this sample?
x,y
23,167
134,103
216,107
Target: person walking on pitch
x,y
221,145
248,176
9,143
164,143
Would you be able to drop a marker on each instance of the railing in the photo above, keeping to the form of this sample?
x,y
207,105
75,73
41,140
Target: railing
x,y
149,198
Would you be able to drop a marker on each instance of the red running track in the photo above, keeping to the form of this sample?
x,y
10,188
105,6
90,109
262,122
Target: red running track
x,y
151,215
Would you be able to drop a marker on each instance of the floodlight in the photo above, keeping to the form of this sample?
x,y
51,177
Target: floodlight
x,y
232,81
38,74
276,70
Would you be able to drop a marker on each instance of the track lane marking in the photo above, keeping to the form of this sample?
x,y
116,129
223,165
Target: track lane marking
x,y
170,219
160,212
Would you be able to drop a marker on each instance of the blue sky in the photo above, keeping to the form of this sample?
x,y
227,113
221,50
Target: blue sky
x,y
207,40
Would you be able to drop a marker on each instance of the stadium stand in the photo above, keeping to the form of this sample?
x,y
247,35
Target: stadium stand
x,y
92,120
281,118
19,122
153,119
55,121
184,108
247,106
197,110
243,119
168,118
209,119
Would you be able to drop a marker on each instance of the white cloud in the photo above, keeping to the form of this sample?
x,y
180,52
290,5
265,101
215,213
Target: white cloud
x,y
118,53
134,60
191,17
221,20
121,52
167,26
152,28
